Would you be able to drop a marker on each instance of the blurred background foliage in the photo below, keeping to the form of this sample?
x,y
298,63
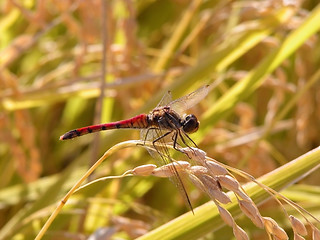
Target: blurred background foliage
x,y
50,77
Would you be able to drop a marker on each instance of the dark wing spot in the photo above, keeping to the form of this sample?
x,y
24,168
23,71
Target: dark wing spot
x,y
103,128
89,130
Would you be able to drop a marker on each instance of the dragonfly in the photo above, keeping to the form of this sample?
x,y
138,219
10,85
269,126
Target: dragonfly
x,y
168,119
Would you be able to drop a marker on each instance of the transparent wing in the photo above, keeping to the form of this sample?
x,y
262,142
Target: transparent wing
x,y
149,135
167,98
182,104
162,155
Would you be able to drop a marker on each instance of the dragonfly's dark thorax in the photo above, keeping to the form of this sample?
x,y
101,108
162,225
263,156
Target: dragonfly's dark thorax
x,y
165,118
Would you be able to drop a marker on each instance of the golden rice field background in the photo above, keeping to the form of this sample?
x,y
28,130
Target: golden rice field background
x,y
262,57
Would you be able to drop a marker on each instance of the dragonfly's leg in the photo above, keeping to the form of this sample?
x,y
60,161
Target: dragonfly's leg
x,y
188,138
146,135
159,138
183,140
175,143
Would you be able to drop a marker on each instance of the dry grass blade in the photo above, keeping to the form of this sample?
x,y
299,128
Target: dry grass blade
x,y
80,181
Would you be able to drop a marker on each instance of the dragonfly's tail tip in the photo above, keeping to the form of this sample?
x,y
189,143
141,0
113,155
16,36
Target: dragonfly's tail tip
x,y
70,135
64,137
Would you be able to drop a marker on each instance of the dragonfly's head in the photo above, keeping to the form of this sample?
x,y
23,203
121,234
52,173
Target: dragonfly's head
x,y
190,124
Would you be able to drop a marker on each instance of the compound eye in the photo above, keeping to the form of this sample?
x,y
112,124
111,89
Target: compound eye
x,y
191,124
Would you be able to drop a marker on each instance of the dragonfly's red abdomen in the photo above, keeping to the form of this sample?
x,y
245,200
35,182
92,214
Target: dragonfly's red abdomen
x,y
140,121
